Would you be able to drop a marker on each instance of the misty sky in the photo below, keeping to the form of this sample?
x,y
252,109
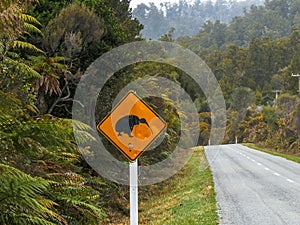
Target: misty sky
x,y
134,3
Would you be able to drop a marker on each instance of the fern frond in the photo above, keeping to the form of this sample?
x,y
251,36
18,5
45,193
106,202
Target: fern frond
x,y
67,179
32,29
78,125
26,45
48,204
23,218
32,108
82,132
83,201
59,58
89,209
20,194
34,220
24,68
29,19
9,103
83,137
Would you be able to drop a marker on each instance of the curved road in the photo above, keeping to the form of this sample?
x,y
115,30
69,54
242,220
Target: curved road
x,y
254,188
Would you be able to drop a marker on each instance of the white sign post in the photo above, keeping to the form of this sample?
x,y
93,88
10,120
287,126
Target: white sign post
x,y
297,75
133,172
132,143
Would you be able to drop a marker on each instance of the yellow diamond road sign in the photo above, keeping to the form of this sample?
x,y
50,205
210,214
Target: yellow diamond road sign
x,y
132,126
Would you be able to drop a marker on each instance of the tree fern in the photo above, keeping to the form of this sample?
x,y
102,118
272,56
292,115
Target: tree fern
x,y
17,74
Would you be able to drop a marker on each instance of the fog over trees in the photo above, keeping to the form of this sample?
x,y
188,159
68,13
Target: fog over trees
x,y
187,17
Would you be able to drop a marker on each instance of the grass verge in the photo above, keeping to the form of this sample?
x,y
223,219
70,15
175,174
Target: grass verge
x,y
289,157
185,199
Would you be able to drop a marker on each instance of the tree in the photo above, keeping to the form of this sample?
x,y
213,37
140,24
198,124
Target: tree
x,y
53,72
154,17
168,36
270,117
187,17
79,32
242,98
73,34
120,26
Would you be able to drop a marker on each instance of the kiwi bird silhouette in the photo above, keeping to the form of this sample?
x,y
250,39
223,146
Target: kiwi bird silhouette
x,y
127,123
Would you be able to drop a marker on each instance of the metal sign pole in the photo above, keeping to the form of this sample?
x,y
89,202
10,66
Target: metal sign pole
x,y
297,75
133,192
119,123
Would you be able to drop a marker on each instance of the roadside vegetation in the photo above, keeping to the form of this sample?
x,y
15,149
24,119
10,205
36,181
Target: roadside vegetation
x,y
187,198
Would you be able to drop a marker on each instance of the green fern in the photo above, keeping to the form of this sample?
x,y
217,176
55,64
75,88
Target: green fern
x,y
30,19
17,75
44,147
25,45
20,198
28,72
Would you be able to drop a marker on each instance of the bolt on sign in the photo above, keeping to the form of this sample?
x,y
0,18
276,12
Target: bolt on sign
x,y
132,126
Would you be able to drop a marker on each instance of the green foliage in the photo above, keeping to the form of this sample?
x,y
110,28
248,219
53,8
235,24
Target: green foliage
x,y
270,116
75,38
287,135
241,99
44,147
187,198
46,10
80,31
53,71
204,124
276,126
253,128
21,201
275,20
265,66
17,76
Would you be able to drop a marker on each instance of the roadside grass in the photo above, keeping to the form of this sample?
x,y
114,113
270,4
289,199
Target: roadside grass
x,y
289,157
185,199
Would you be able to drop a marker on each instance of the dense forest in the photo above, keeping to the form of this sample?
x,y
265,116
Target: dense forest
x,y
253,58
185,17
46,46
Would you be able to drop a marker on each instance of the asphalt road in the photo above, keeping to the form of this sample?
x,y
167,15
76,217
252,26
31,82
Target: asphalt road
x,y
254,188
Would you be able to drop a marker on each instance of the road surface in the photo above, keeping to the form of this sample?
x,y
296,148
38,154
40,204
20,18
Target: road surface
x,y
254,188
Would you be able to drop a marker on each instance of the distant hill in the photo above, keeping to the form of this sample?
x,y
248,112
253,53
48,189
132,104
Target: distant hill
x,y
187,18
274,20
